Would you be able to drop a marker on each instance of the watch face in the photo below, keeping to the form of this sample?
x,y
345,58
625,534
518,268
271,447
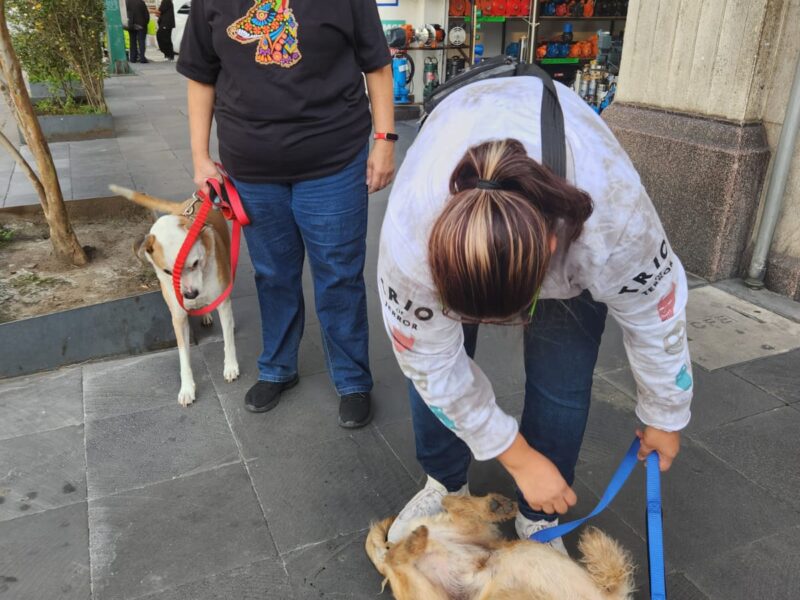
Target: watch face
x,y
392,136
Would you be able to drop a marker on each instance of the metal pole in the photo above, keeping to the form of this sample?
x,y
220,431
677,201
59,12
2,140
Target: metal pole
x,y
777,186
117,59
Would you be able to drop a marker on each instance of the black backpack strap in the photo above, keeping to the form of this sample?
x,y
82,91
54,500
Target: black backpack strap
x,y
554,149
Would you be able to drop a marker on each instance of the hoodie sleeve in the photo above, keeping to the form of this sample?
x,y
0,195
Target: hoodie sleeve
x,y
644,285
430,351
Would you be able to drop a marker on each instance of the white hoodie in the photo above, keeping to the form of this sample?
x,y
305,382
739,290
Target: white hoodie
x,y
622,257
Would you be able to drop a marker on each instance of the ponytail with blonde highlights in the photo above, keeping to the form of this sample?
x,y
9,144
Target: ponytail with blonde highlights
x,y
489,249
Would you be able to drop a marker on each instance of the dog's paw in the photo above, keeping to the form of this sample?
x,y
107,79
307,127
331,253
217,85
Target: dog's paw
x,y
186,395
231,371
207,321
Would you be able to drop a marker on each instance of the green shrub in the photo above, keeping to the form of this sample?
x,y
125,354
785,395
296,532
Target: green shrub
x,y
59,42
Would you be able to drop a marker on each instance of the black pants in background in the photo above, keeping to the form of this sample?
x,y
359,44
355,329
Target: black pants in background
x,y
138,38
164,39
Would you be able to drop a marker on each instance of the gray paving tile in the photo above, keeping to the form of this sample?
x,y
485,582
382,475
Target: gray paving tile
x,y
42,471
45,556
719,397
500,355
779,375
680,588
338,487
176,532
338,568
612,351
611,426
135,450
704,500
390,393
695,281
263,580
40,403
139,383
765,569
764,448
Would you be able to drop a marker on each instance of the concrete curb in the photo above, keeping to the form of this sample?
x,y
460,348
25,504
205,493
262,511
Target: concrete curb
x,y
127,326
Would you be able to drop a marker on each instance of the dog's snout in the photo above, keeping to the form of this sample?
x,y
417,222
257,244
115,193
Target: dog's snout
x,y
191,294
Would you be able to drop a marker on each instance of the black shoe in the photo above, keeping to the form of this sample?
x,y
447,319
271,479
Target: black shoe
x,y
264,395
355,410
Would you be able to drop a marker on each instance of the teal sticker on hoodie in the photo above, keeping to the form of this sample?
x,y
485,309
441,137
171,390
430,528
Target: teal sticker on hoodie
x,y
683,380
443,417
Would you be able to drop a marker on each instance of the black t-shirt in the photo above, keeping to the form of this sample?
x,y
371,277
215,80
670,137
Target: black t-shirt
x,y
290,95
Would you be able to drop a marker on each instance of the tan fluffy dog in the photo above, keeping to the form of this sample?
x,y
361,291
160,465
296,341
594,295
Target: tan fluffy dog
x,y
460,555
206,274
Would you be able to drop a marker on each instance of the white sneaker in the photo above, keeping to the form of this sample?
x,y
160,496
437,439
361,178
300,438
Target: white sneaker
x,y
526,528
426,503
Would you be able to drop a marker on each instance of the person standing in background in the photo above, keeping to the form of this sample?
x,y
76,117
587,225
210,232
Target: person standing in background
x,y
166,23
138,19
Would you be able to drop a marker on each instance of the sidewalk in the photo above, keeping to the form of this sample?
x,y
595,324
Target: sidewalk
x,y
110,490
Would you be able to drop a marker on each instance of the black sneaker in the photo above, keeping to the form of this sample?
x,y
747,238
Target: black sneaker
x,y
355,410
264,395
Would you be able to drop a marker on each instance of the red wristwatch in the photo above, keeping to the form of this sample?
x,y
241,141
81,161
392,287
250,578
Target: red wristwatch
x,y
391,137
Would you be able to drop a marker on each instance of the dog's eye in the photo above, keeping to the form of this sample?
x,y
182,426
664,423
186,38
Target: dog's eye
x,y
194,264
167,271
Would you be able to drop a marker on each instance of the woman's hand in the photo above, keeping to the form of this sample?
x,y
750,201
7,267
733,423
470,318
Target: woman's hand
x,y
380,165
666,443
204,168
537,477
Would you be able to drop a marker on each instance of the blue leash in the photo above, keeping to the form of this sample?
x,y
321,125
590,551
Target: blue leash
x,y
655,537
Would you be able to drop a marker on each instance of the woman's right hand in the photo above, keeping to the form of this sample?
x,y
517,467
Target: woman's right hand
x,y
204,169
538,479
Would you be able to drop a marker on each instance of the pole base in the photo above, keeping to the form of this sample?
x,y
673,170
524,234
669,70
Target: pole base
x,y
754,284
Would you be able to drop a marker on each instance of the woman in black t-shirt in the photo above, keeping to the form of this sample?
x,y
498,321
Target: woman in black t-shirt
x,y
285,81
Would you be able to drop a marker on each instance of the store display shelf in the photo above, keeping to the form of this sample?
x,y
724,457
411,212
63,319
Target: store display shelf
x,y
432,49
609,18
490,19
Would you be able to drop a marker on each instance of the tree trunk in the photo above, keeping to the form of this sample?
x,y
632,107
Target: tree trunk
x,y
62,237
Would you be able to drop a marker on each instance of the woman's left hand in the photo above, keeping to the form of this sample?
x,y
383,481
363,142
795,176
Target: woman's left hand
x,y
380,165
666,443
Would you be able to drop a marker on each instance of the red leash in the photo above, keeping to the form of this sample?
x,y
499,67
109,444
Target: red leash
x,y
222,195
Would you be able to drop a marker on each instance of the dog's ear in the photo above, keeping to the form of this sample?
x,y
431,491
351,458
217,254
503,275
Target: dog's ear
x,y
146,244
416,543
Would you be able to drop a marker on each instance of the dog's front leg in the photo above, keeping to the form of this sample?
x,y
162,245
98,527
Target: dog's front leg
x,y
231,365
180,321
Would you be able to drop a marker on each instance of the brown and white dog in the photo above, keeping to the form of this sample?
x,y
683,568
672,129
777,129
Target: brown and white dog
x,y
205,276
459,554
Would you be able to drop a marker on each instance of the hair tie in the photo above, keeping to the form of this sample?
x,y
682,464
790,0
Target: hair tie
x,y
488,184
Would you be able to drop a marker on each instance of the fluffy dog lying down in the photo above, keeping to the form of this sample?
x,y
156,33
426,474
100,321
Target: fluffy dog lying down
x,y
460,555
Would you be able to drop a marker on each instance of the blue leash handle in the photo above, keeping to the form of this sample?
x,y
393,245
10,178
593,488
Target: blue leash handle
x,y
655,535
655,538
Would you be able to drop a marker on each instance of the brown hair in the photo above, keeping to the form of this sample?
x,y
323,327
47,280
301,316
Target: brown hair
x,y
490,248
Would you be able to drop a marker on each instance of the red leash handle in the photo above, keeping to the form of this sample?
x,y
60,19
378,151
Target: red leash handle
x,y
227,200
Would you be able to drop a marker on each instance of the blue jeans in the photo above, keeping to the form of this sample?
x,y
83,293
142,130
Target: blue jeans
x,y
561,346
326,217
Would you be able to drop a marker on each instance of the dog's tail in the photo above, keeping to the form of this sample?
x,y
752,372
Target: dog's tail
x,y
376,545
164,206
608,564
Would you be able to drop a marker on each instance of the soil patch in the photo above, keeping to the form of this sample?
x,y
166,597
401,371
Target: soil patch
x,y
33,282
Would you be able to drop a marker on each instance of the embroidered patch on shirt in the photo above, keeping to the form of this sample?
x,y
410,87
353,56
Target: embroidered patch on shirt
x,y
683,380
448,422
271,23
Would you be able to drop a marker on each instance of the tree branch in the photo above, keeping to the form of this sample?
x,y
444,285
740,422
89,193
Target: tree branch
x,y
25,166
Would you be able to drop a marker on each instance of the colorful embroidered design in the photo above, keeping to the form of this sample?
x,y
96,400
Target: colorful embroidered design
x,y
448,422
271,23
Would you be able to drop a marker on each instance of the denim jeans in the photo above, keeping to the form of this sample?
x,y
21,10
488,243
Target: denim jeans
x,y
138,44
560,346
326,217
